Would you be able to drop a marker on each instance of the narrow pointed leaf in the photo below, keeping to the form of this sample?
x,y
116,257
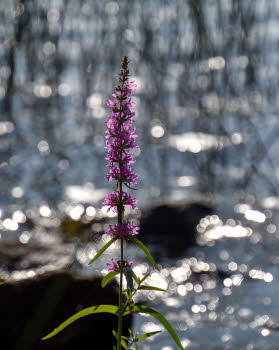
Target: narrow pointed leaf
x,y
144,249
129,293
108,278
144,277
123,343
116,335
136,279
147,310
112,309
151,288
105,247
146,335
129,277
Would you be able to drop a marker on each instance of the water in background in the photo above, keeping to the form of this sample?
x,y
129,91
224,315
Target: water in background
x,y
207,104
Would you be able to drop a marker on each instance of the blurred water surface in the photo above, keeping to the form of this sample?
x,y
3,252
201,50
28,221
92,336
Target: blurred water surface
x,y
207,119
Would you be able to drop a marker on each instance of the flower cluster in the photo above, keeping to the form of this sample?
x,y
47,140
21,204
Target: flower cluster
x,y
115,265
122,230
115,198
120,141
121,134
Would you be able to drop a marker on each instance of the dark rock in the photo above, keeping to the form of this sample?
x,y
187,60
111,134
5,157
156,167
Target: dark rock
x,y
173,227
32,308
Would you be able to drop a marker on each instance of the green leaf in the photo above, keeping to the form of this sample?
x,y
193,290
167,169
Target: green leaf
x,y
151,288
129,293
112,309
147,310
123,343
129,277
145,250
108,278
105,247
144,277
136,279
146,335
115,334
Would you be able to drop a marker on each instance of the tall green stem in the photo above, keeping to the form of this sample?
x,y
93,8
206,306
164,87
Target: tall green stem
x,y
120,216
120,303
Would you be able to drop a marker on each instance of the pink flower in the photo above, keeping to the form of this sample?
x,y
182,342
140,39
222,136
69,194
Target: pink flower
x,y
124,174
112,104
122,230
113,200
115,265
114,157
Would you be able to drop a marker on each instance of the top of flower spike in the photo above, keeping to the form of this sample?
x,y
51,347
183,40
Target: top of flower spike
x,y
124,73
120,132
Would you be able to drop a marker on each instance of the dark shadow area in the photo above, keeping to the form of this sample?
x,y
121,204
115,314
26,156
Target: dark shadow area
x,y
32,308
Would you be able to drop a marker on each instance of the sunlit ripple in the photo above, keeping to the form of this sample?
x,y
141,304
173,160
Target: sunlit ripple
x,y
85,194
43,91
45,211
10,224
185,181
19,216
216,63
212,228
197,142
157,131
25,237
6,127
17,192
271,202
255,215
261,275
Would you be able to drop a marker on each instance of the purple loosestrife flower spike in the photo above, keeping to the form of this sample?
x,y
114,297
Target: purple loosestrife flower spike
x,y
120,140
120,134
